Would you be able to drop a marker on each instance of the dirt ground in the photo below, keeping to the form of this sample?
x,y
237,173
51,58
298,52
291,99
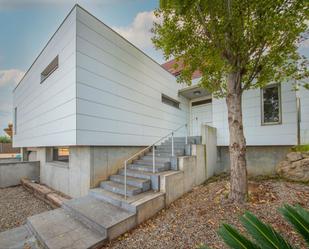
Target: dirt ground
x,y
16,204
195,218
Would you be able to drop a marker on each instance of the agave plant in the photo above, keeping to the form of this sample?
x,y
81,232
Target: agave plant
x,y
263,236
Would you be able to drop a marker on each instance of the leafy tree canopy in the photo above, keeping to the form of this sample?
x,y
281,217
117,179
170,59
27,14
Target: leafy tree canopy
x,y
257,38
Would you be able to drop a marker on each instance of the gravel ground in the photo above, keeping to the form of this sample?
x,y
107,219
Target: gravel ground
x,y
16,204
195,218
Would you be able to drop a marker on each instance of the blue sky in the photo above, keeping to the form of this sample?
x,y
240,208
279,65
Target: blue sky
x,y
27,25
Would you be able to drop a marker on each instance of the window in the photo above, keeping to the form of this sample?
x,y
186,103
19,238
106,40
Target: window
x,y
15,120
61,154
50,69
271,104
169,101
202,102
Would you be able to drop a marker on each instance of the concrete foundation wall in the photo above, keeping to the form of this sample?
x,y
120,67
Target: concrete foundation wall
x,y
87,167
209,138
192,172
12,172
261,160
106,161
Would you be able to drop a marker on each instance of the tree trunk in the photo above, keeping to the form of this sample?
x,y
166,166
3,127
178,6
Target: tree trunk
x,y
239,182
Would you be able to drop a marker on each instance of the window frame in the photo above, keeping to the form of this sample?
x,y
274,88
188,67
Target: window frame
x,y
168,100
263,123
15,121
53,69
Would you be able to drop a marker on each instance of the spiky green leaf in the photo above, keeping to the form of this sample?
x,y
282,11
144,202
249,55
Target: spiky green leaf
x,y
264,234
235,239
299,219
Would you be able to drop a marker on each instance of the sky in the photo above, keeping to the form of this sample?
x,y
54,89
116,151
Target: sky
x,y
27,25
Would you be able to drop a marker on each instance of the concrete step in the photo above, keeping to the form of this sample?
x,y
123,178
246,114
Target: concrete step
x,y
157,158
155,184
137,173
103,217
176,150
148,162
119,200
18,238
118,188
166,154
148,168
132,181
111,197
57,229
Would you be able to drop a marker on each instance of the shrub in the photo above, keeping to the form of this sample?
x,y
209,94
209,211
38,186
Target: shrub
x,y
300,148
5,139
263,236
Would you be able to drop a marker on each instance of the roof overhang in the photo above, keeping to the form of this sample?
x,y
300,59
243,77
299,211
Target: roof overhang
x,y
194,92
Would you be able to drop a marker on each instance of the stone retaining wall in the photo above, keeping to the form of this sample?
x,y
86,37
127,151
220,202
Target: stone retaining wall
x,y
12,172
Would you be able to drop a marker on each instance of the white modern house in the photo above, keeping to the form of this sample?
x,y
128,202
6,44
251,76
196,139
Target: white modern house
x,y
91,100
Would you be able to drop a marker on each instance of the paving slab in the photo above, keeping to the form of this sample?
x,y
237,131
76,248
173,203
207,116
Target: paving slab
x,y
57,230
18,238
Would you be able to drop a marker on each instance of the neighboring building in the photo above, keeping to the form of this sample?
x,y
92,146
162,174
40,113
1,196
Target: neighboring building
x,y
91,99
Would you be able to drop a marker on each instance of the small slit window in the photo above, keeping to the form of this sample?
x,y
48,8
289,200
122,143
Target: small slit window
x,y
170,101
271,104
15,120
50,69
202,102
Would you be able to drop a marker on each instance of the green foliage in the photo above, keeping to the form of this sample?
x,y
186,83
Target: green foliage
x,y
299,219
257,38
263,234
5,139
234,239
300,148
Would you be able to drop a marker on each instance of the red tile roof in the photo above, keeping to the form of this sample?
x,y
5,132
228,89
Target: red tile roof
x,y
169,66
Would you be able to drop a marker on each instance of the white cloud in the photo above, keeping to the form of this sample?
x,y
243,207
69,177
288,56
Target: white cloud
x,y
10,76
139,31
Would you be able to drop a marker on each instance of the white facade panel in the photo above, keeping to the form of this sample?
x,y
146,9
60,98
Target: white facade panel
x,y
119,90
304,116
46,111
256,133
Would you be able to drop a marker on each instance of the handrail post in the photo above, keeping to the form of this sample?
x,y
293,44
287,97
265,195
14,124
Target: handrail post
x,y
172,144
153,159
125,180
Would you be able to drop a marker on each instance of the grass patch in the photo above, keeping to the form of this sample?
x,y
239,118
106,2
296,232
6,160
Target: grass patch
x,y
300,148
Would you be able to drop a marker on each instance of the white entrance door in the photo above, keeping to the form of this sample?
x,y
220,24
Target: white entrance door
x,y
201,114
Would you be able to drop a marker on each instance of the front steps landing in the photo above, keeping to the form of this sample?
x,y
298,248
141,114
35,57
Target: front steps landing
x,y
18,238
56,229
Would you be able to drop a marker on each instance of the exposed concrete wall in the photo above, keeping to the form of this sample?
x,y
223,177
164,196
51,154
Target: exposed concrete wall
x,y
12,172
261,160
209,138
87,167
9,160
53,174
192,172
107,160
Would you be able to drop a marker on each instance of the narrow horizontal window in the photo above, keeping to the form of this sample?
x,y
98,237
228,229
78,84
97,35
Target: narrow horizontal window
x,y
50,69
15,120
271,104
202,102
61,154
169,101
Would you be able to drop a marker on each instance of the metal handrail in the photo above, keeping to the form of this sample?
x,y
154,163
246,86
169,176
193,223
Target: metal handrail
x,y
153,154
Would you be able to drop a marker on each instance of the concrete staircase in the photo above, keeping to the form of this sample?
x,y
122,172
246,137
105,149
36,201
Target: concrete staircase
x,y
105,213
